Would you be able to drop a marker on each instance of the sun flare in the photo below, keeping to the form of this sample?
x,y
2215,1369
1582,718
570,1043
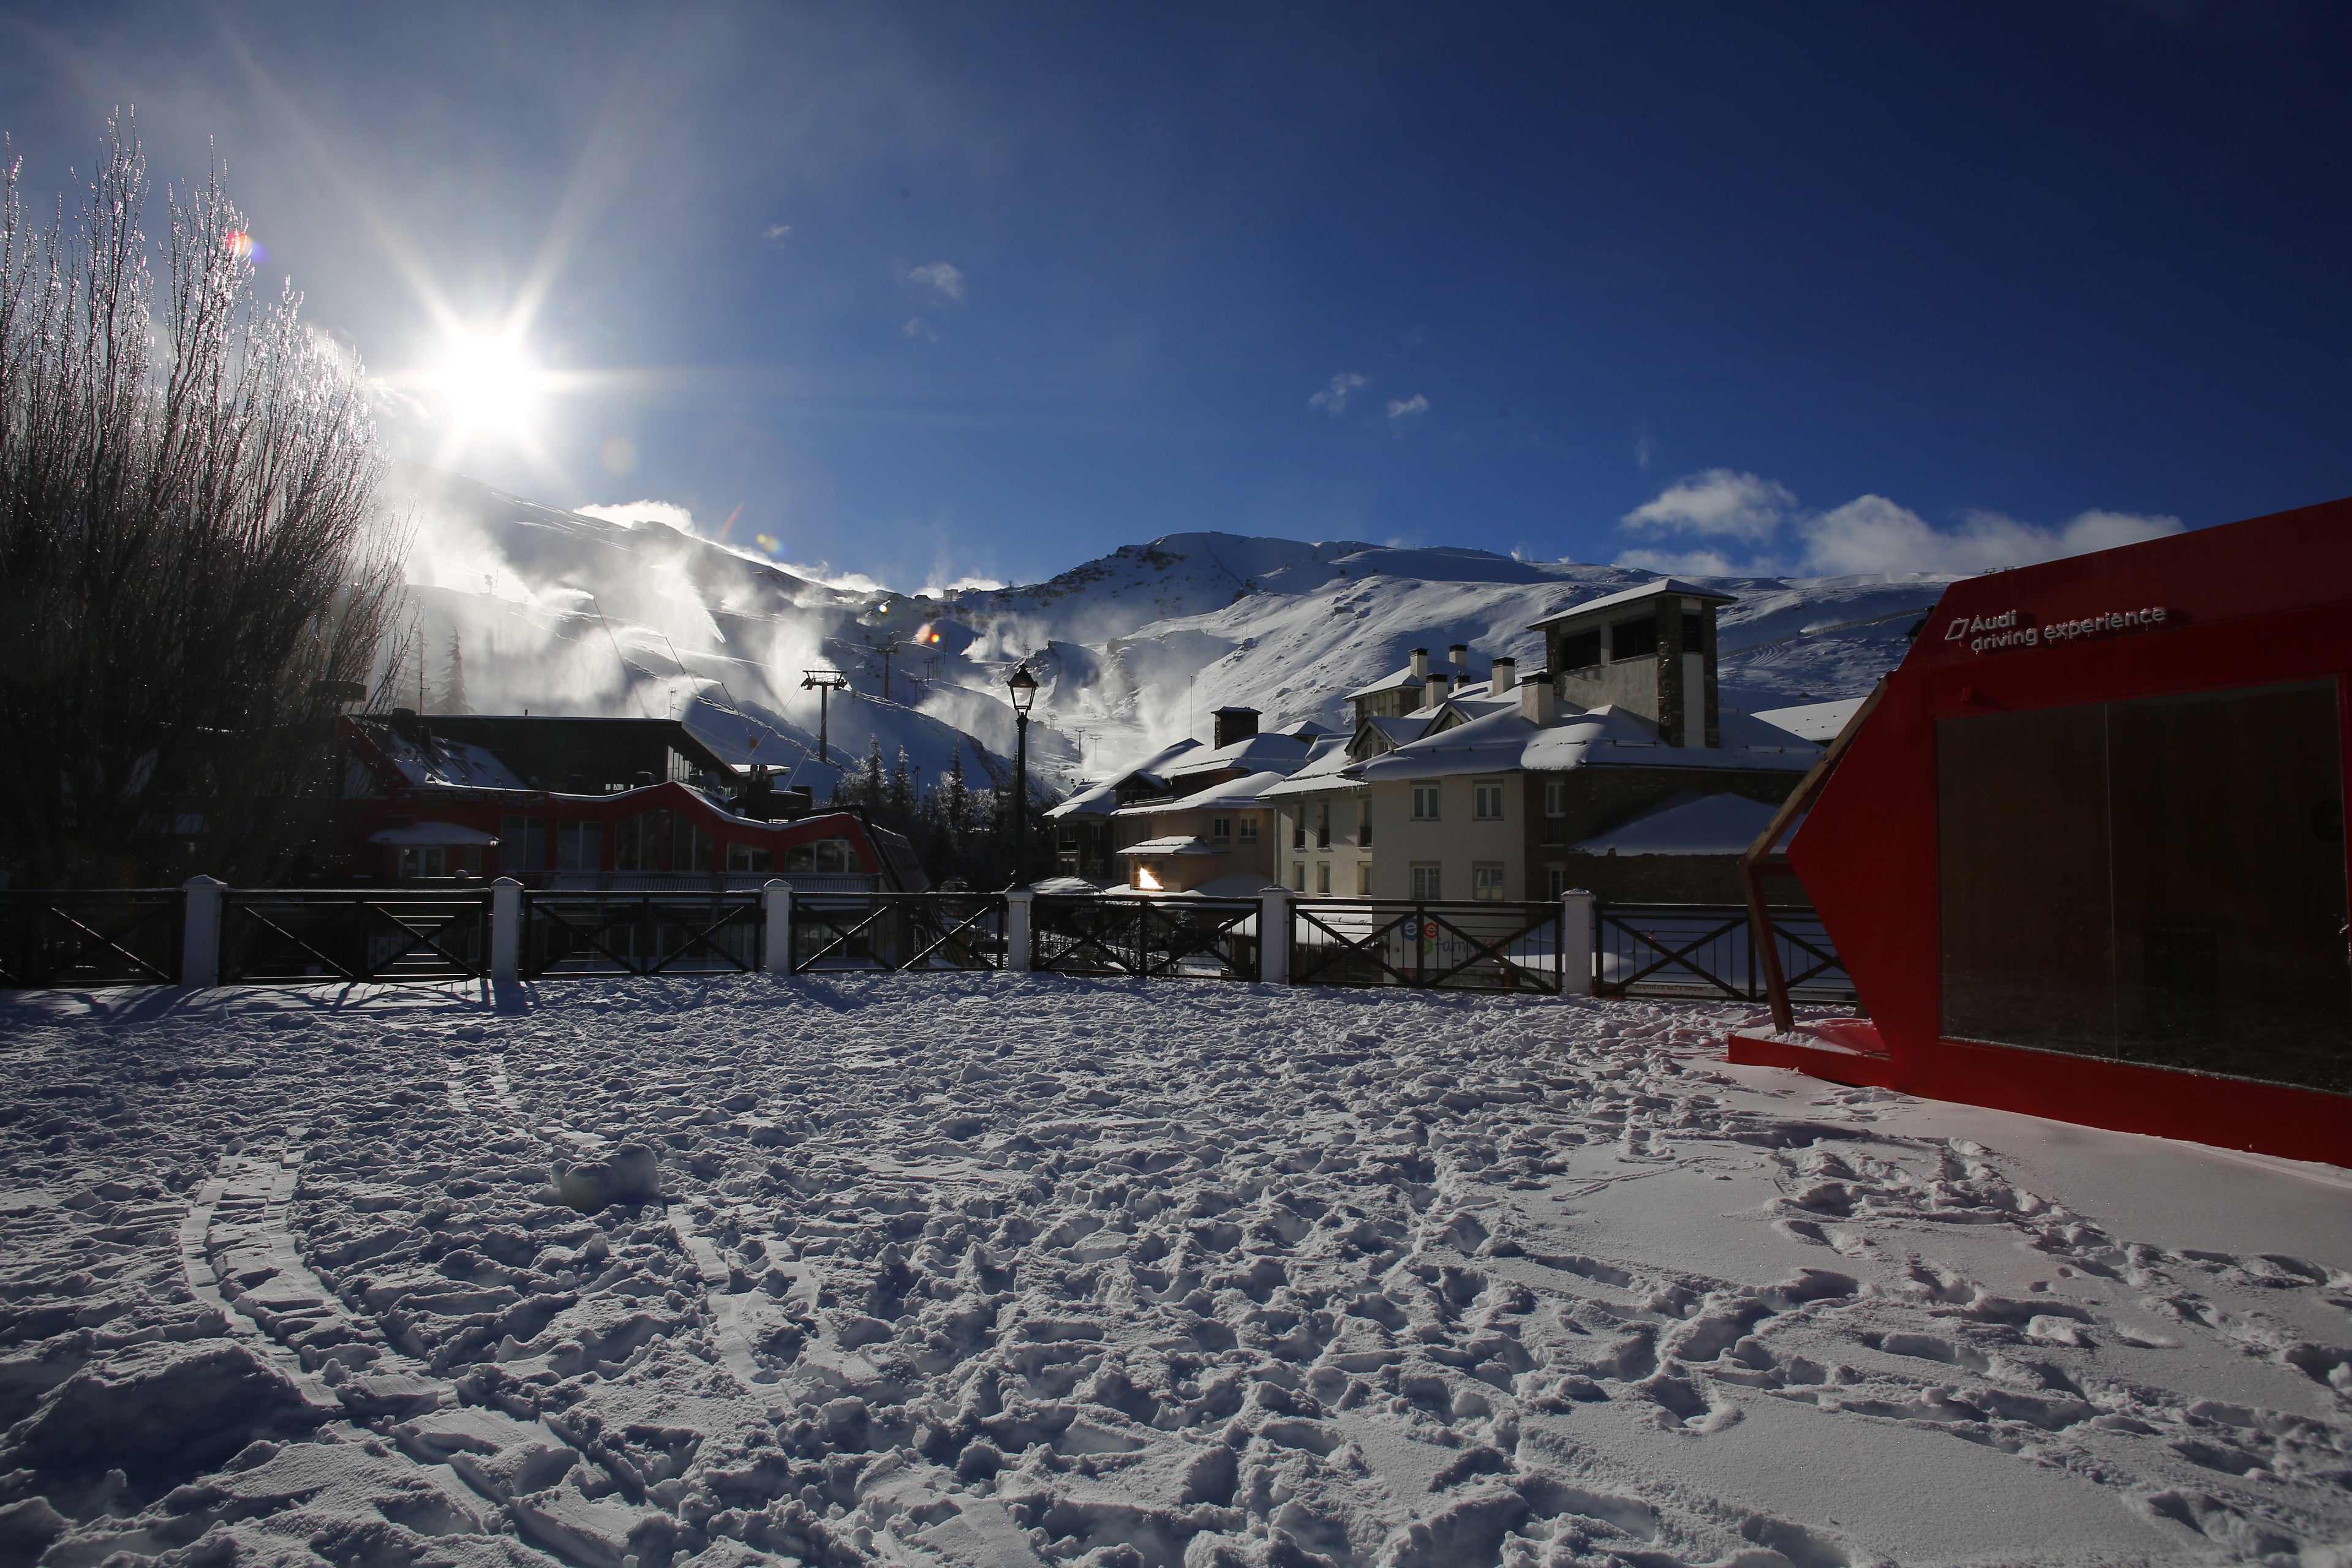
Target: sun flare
x,y
489,383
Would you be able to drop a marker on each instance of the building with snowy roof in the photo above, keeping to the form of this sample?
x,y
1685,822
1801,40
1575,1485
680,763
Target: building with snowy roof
x,y
1686,851
421,804
1216,842
1489,806
1649,650
1082,825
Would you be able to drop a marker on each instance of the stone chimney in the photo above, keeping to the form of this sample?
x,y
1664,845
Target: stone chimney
x,y
1421,664
1234,724
1506,676
1458,656
1538,699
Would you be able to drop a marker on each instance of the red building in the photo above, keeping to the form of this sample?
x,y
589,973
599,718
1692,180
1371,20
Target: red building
x,y
2084,854
421,803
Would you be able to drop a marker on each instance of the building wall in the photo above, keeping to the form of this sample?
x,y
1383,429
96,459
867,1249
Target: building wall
x,y
1456,842
1181,873
1344,856
1633,686
1529,846
1669,879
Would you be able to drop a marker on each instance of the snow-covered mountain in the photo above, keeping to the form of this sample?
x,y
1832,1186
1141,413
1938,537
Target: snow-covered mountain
x,y
558,612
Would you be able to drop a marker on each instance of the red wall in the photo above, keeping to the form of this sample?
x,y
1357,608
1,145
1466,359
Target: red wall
x,y
2251,603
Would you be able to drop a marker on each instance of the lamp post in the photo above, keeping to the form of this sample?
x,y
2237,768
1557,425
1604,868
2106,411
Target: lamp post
x,y
1023,688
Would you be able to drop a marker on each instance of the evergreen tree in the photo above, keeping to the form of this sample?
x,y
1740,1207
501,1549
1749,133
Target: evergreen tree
x,y
899,802
954,798
452,698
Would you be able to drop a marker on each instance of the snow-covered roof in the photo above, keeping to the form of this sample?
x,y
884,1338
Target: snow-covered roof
x,y
1178,844
1676,586
1687,825
1503,742
1256,753
438,761
446,833
1814,720
1102,799
1398,729
1405,677
1233,795
1323,772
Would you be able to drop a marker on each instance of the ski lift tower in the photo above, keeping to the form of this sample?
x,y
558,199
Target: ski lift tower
x,y
825,682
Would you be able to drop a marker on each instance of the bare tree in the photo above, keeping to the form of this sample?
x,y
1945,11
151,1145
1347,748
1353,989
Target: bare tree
x,y
193,578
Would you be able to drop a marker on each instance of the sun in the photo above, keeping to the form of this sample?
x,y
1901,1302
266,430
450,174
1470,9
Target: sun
x,y
489,383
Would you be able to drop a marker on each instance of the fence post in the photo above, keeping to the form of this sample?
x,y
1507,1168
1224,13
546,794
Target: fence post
x,y
1274,937
506,930
200,936
1576,942
1017,930
776,901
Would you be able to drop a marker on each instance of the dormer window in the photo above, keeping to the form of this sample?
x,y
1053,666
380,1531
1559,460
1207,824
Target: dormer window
x,y
1220,829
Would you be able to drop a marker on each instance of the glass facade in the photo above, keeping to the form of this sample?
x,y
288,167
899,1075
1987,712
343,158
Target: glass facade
x,y
2160,880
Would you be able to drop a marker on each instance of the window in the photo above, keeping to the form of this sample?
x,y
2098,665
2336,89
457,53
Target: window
x,y
1249,829
691,847
1221,828
579,846
1486,880
1633,640
1299,875
1581,651
1298,829
1364,822
1425,881
1424,803
1694,633
1363,878
1323,878
2158,881
1555,881
750,858
422,860
1555,827
636,842
826,854
1486,800
522,843
1322,824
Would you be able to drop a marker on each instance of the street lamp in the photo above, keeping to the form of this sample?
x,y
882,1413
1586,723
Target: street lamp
x,y
1023,688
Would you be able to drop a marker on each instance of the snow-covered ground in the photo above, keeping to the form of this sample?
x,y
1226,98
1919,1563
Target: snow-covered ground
x,y
990,1269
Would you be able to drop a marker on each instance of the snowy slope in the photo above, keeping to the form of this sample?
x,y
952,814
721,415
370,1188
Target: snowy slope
x,y
563,613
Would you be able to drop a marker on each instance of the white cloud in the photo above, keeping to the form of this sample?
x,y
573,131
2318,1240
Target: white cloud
x,y
1872,533
916,327
1333,398
941,276
1690,563
776,233
1403,408
1869,534
1719,501
629,514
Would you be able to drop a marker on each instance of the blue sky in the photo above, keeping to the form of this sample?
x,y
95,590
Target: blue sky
x,y
935,290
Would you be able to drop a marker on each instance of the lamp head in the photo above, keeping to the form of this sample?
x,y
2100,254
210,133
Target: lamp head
x,y
1023,686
